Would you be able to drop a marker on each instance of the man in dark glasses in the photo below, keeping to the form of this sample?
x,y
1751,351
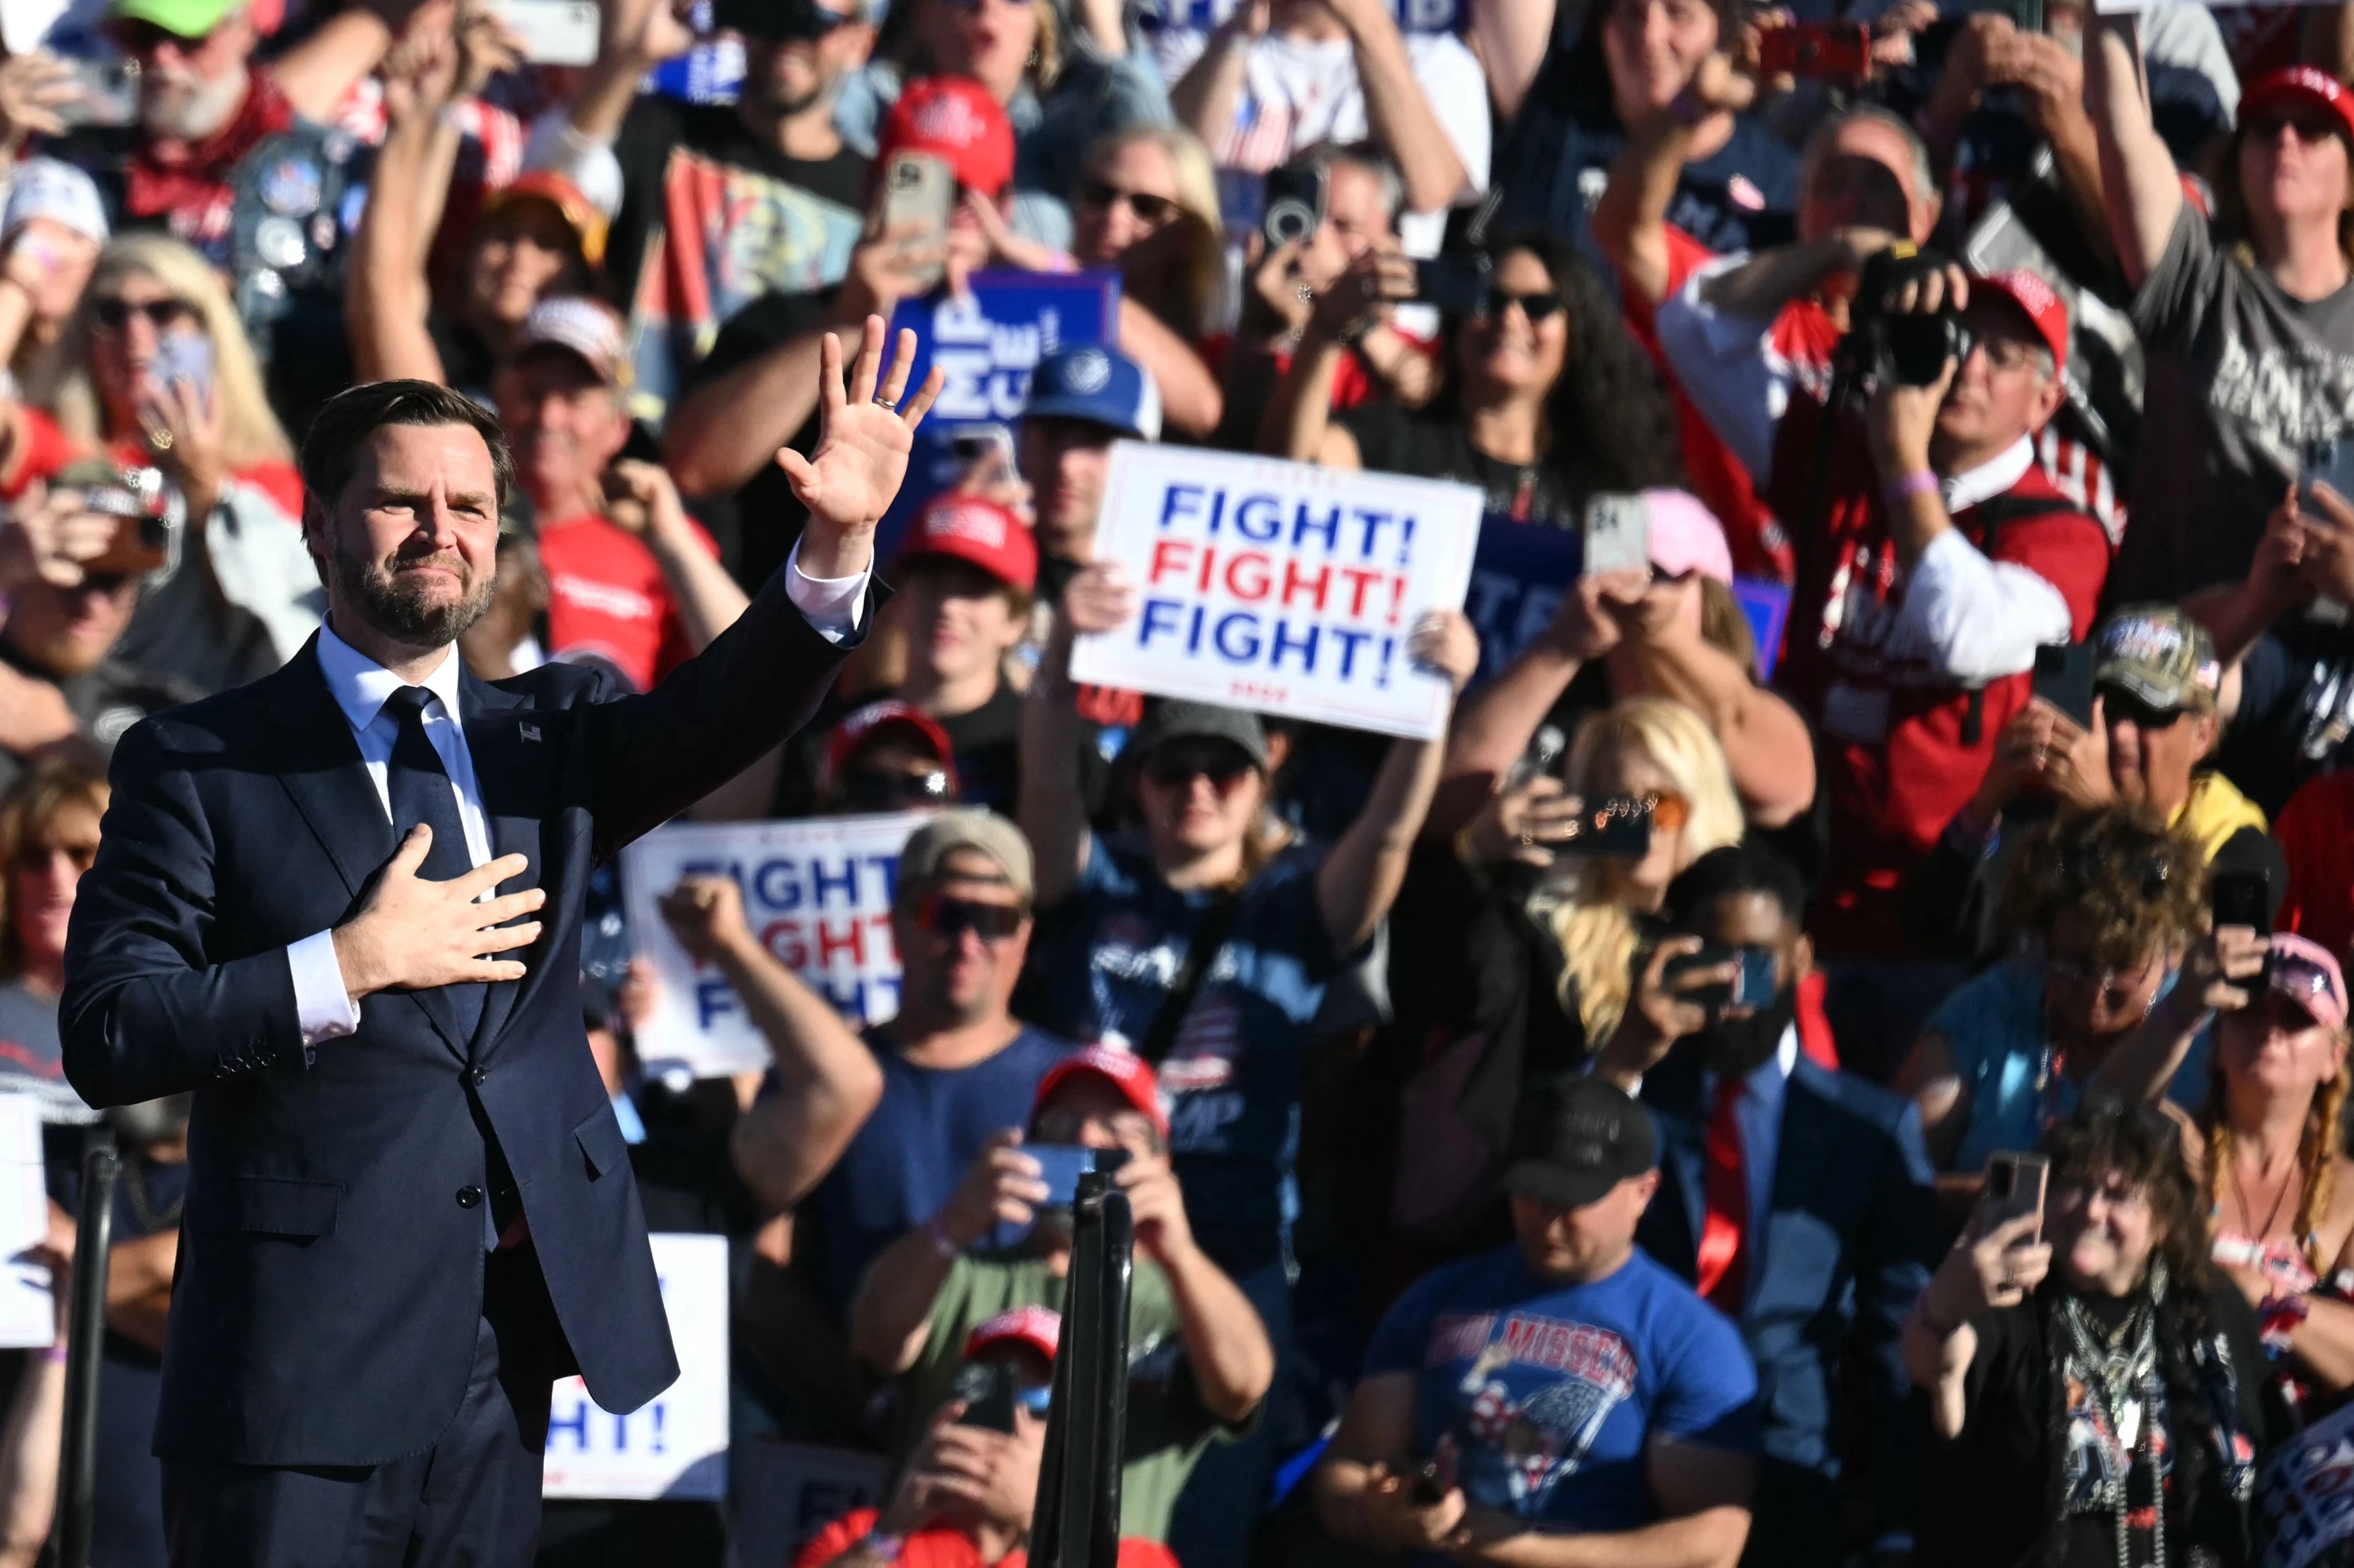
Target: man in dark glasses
x,y
1199,1361
886,756
957,1064
71,578
778,198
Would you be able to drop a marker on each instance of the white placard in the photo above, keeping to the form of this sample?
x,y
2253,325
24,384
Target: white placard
x,y
675,1446
817,893
1281,586
2113,6
28,1306
792,1490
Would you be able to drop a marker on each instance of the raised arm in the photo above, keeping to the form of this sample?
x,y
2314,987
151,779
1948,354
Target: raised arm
x,y
1766,744
1206,96
1226,1343
639,36
1630,222
1398,113
1098,600
1297,423
2139,184
709,600
387,300
1361,877
1511,37
763,678
317,74
1189,400
890,1318
1492,729
1986,1273
827,1082
2214,979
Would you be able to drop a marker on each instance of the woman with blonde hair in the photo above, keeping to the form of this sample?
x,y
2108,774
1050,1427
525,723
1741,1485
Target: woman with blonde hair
x,y
1147,205
153,372
2268,1142
49,834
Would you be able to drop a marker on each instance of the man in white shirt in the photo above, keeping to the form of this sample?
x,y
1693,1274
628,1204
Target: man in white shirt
x,y
409,1205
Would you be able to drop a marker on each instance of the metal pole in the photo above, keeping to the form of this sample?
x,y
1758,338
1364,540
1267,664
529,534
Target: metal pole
x,y
1062,1527
1116,1246
85,1344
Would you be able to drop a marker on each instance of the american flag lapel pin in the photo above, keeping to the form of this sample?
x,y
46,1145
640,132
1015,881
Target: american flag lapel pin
x,y
530,731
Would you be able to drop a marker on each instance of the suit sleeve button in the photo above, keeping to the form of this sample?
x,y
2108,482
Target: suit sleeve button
x,y
470,1197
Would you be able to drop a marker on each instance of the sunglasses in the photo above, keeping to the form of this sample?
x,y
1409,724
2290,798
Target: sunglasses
x,y
952,918
879,789
1670,810
115,313
1222,768
2117,705
2301,980
1536,307
1102,195
135,37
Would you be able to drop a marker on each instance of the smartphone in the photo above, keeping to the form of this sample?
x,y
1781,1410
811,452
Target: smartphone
x,y
554,32
107,92
2014,1186
988,1391
1456,285
1753,987
1760,978
1538,759
1060,1166
1613,826
1617,536
2330,462
2242,898
184,356
1824,51
1429,1486
142,539
921,190
2064,678
1292,207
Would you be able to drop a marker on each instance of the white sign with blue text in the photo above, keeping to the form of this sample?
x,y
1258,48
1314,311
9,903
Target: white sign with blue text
x,y
817,893
1281,586
678,1445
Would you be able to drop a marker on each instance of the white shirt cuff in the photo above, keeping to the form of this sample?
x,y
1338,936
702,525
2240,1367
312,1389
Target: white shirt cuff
x,y
831,604
323,1008
1974,620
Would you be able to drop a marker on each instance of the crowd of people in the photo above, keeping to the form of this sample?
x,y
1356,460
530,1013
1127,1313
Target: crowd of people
x,y
1924,1139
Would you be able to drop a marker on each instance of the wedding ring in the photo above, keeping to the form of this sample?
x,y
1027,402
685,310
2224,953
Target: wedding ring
x,y
1528,840
883,402
160,439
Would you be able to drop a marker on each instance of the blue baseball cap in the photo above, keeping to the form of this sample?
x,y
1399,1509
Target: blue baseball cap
x,y
1099,385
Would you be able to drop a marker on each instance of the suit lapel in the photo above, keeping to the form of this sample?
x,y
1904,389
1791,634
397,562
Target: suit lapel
x,y
504,738
1805,1153
322,771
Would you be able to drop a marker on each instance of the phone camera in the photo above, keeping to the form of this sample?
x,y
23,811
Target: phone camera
x,y
1289,218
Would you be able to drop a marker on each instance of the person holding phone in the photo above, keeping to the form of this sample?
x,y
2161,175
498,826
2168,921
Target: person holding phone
x,y
1767,1141
2104,1357
154,371
926,1295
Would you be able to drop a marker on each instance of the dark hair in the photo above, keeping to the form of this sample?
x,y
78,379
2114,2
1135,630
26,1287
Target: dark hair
x,y
2136,885
1735,871
2141,1146
51,787
331,451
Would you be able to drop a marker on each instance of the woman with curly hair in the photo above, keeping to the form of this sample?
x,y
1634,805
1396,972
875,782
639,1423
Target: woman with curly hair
x,y
2088,1390
1546,401
2269,1143
2101,909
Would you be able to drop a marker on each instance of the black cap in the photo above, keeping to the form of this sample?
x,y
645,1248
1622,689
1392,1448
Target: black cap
x,y
780,19
1575,1137
1174,718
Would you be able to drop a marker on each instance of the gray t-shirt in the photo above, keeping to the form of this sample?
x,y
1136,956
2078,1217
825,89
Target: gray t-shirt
x,y
2242,379
32,1057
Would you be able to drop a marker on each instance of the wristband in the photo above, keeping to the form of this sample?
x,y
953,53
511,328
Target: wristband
x,y
1920,482
881,1547
943,1244
2279,1318
55,1355
1688,110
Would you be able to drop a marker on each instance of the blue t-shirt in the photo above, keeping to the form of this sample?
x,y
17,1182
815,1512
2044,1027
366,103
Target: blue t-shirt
x,y
1993,1028
1541,1397
1231,1080
912,1153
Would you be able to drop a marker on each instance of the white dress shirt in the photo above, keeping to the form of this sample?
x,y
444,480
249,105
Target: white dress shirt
x,y
361,688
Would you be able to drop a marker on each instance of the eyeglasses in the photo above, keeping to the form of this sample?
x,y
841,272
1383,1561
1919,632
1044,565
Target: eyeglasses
x,y
951,918
1222,768
880,790
1126,1127
115,313
1102,194
1536,307
2008,353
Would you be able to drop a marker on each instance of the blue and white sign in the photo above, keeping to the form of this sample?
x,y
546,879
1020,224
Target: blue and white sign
x,y
986,343
1518,576
1281,586
1411,16
675,1446
817,894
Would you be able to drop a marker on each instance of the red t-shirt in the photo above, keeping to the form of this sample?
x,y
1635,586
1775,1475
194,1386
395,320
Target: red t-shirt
x,y
44,450
939,1547
606,597
1891,795
2316,830
190,189
1353,385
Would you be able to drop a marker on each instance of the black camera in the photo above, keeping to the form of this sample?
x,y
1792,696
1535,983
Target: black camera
x,y
1906,348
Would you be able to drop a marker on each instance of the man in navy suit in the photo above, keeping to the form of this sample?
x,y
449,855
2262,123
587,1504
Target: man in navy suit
x,y
409,1205
1798,1199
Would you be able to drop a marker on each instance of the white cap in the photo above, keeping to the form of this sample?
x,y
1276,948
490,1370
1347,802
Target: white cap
x,y
45,188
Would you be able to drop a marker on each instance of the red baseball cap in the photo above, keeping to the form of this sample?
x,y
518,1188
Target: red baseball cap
x,y
1039,1328
858,727
969,528
2037,300
1126,1071
954,119
2299,86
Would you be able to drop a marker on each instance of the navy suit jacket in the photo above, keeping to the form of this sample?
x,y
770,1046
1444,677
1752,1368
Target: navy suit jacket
x,y
1849,1240
330,1276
